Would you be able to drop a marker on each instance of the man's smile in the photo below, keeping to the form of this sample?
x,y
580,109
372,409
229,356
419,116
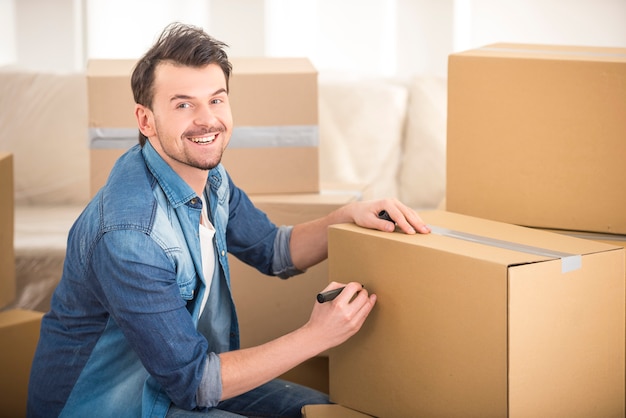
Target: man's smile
x,y
206,139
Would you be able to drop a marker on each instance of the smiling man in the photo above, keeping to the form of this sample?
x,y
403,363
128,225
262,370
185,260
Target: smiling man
x,y
142,322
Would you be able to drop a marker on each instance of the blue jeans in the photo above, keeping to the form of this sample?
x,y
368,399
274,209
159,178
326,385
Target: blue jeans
x,y
275,399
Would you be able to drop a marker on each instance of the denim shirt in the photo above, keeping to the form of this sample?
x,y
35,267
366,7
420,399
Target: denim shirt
x,y
123,336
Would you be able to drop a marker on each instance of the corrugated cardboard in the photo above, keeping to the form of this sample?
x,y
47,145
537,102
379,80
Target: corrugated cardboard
x,y
536,136
312,373
267,95
268,307
619,240
19,334
330,411
478,325
7,230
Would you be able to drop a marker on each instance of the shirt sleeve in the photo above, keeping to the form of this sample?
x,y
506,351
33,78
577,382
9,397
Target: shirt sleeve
x,y
210,389
282,265
254,239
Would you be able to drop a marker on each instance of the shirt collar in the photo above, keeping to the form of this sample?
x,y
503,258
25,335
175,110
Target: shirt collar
x,y
175,188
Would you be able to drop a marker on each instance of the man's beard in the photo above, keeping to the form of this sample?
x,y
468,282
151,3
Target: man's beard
x,y
184,157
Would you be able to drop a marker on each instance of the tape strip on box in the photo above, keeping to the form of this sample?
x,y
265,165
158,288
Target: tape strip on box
x,y
242,137
569,262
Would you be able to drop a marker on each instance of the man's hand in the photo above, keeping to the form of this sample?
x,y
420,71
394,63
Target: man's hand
x,y
366,214
337,320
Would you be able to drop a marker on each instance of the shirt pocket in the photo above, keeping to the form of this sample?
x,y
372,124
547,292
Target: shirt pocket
x,y
187,288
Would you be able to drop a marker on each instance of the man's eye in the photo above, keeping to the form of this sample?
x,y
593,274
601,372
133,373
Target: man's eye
x,y
183,106
216,101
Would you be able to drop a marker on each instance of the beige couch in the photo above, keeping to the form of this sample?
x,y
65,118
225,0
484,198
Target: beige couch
x,y
381,136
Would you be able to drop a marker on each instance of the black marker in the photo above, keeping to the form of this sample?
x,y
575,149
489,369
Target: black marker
x,y
329,295
384,215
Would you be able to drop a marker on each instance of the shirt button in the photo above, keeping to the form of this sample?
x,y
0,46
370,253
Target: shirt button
x,y
223,252
194,200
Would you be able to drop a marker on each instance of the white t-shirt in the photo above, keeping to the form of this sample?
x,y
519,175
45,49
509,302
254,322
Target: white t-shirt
x,y
207,231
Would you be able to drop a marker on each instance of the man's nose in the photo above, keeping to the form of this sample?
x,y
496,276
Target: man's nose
x,y
204,116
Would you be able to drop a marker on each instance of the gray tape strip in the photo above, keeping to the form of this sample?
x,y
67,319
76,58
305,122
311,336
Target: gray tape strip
x,y
274,136
242,137
553,52
112,138
569,262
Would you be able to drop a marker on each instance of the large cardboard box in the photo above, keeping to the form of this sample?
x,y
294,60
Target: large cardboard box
x,y
536,136
19,334
7,230
274,146
481,319
268,307
312,373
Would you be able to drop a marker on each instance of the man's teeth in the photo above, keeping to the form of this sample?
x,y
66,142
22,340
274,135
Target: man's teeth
x,y
203,139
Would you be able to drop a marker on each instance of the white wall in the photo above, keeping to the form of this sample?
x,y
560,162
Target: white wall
x,y
569,22
8,53
378,37
127,28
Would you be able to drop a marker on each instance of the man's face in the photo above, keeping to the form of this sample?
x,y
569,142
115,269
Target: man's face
x,y
191,117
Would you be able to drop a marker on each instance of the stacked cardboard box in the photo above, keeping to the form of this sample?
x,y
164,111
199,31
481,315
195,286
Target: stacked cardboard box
x,y
7,228
19,334
481,318
274,146
19,329
536,136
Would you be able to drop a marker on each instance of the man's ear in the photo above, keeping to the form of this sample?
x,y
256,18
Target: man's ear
x,y
145,120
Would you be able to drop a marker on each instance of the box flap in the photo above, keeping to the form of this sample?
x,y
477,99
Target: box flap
x,y
552,52
492,241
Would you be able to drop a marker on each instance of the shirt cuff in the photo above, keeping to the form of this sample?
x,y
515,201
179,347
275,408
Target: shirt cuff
x,y
282,266
209,392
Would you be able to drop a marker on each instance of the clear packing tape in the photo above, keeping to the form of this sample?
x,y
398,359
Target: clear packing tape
x,y
569,262
242,137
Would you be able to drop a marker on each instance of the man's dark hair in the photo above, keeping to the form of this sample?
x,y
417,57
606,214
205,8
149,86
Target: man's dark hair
x,y
179,44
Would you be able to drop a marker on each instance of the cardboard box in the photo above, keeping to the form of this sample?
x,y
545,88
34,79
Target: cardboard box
x,y
330,411
312,373
269,307
481,318
536,136
611,239
19,335
7,230
274,146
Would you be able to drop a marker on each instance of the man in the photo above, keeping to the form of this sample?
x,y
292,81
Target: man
x,y
142,322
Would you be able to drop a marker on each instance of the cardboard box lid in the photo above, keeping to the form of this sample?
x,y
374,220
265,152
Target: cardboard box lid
x,y
547,52
492,241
